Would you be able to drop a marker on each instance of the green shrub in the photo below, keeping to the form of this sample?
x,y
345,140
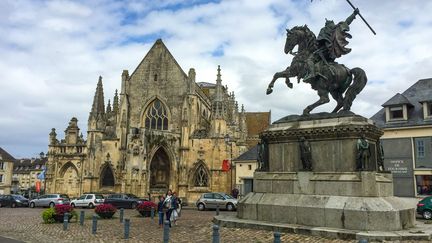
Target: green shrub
x,y
48,215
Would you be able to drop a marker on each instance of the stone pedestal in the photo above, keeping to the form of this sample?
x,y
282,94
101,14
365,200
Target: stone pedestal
x,y
333,194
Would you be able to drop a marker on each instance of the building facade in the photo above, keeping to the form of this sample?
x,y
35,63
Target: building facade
x,y
245,166
162,131
25,175
6,167
407,141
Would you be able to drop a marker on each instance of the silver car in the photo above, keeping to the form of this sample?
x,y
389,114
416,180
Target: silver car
x,y
88,200
213,199
50,200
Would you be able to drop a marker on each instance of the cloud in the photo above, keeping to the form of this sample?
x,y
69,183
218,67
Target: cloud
x,y
54,51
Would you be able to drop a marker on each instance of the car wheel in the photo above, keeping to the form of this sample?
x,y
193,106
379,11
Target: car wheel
x,y
91,205
427,214
32,205
201,207
230,207
1,205
51,205
73,205
133,205
13,205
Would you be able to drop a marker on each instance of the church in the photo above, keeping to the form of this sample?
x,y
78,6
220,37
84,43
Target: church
x,y
163,130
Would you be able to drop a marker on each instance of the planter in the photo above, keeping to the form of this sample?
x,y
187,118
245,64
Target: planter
x,y
145,213
60,217
106,215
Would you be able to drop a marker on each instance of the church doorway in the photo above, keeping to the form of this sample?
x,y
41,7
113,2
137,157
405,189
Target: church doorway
x,y
160,171
107,177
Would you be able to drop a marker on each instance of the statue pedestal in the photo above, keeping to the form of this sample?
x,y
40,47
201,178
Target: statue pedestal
x,y
333,194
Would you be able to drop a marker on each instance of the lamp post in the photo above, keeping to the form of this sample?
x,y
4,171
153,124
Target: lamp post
x,y
228,141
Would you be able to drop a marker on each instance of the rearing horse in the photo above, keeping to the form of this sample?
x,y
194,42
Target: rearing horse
x,y
335,78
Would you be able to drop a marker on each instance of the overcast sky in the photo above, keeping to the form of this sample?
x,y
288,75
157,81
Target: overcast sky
x,y
52,53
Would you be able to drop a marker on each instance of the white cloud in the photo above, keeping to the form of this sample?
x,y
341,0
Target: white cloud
x,y
54,51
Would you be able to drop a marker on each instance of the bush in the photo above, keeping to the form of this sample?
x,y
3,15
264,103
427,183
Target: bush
x,y
48,216
105,208
146,206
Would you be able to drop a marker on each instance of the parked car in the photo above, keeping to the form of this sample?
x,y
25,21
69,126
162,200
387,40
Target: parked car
x,y
213,199
88,200
122,200
424,207
50,200
13,201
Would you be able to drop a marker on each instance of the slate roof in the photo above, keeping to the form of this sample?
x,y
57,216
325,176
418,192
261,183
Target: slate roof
x,y
417,93
398,99
206,84
25,165
251,154
5,156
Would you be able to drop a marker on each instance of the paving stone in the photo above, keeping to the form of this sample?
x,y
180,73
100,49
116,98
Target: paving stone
x,y
26,224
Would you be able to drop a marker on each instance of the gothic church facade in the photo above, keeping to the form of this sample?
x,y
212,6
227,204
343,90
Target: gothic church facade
x,y
162,131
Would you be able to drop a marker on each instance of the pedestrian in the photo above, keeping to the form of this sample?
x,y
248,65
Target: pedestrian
x,y
161,210
175,203
168,204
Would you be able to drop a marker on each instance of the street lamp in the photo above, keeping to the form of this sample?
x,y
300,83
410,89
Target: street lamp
x,y
228,141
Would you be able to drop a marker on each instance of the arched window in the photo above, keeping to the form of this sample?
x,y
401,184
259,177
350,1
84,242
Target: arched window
x,y
156,116
107,177
201,177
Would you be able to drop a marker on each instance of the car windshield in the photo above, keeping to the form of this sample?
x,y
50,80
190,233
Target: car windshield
x,y
226,196
99,197
19,197
64,196
131,196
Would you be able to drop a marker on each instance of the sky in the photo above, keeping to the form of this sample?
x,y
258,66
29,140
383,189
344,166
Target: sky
x,y
52,53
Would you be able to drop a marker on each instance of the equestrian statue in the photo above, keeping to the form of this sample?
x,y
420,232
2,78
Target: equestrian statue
x,y
314,63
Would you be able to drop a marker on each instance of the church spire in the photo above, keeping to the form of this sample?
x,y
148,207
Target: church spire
x,y
98,100
108,108
115,103
218,105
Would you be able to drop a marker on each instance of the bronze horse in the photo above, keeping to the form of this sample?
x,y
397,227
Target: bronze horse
x,y
335,78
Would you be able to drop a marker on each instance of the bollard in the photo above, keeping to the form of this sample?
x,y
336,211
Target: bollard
x,y
121,215
215,233
152,213
82,215
166,232
217,209
126,228
363,241
65,221
94,225
277,237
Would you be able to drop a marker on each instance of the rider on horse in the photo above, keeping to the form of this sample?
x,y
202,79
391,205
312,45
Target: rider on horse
x,y
331,45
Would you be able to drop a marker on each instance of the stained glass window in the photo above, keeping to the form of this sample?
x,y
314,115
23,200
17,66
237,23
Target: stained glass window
x,y
201,176
156,116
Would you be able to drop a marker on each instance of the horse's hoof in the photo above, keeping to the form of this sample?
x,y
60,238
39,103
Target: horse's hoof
x,y
290,85
269,91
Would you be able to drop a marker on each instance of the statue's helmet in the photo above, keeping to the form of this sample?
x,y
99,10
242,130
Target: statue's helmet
x,y
329,23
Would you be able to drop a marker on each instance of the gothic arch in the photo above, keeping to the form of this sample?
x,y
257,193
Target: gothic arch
x,y
107,178
200,175
157,109
68,180
68,166
161,175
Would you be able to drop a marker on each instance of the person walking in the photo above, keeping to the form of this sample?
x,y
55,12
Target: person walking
x,y
168,204
161,210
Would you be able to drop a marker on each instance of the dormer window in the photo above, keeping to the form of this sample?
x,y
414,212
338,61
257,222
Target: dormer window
x,y
427,109
396,113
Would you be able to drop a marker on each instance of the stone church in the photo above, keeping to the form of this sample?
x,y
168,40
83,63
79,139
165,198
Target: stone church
x,y
162,131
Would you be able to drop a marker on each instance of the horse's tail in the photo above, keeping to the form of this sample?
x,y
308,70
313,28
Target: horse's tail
x,y
359,82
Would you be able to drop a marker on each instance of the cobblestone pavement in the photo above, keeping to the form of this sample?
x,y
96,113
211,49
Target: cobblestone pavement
x,y
193,226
